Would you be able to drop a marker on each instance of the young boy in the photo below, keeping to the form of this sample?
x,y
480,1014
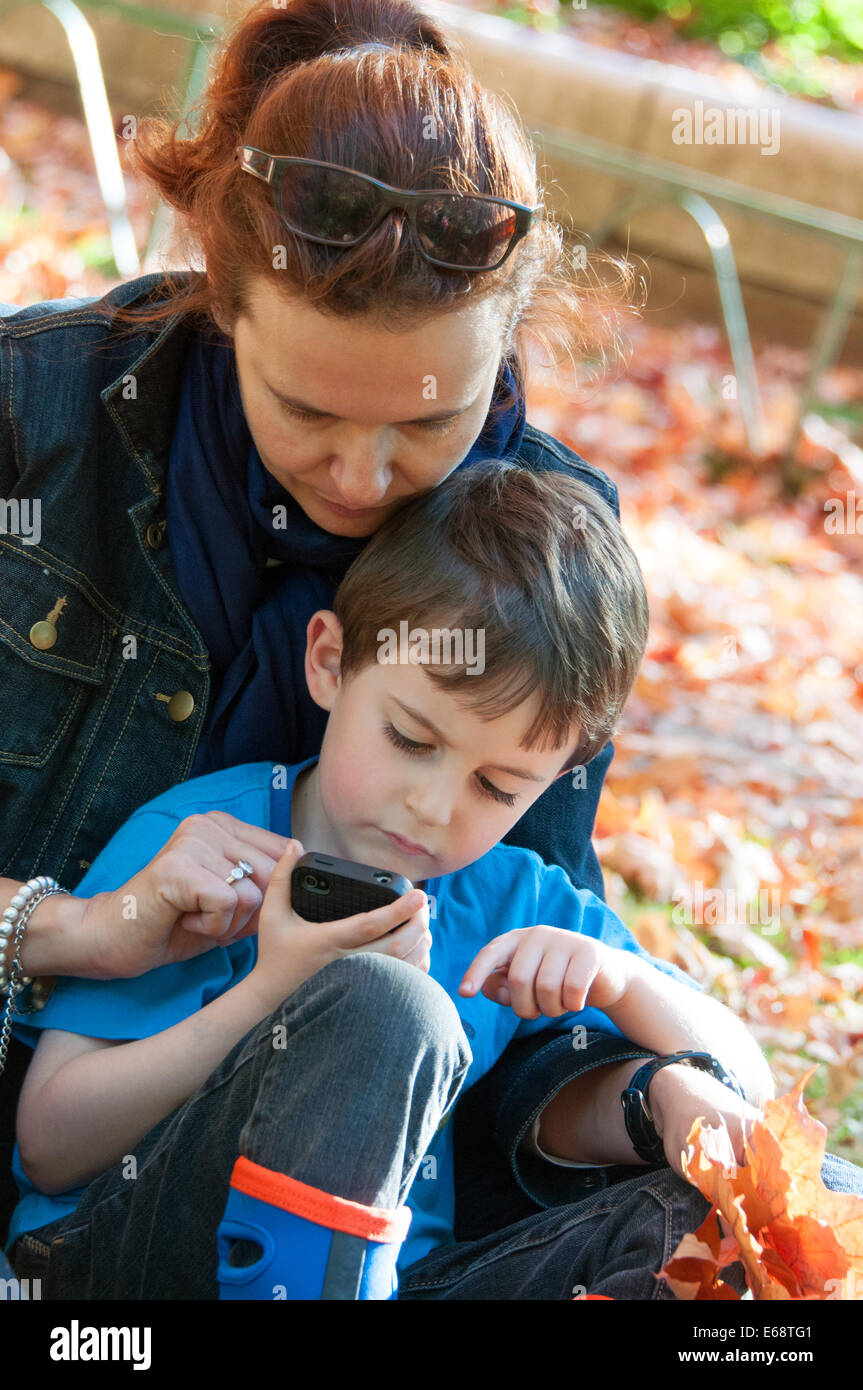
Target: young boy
x,y
289,1094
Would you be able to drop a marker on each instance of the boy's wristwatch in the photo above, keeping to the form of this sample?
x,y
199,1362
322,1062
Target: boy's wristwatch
x,y
638,1119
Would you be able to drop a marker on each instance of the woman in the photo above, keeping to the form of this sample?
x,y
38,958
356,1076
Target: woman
x,y
210,450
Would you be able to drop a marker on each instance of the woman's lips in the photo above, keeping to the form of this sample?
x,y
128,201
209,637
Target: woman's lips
x,y
347,511
405,845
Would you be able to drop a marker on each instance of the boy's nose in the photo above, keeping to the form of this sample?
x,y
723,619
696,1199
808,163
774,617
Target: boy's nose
x,y
431,803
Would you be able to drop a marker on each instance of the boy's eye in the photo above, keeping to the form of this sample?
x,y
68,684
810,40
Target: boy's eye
x,y
508,798
407,745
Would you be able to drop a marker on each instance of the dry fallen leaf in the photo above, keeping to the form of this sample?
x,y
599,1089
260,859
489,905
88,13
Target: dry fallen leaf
x,y
796,1239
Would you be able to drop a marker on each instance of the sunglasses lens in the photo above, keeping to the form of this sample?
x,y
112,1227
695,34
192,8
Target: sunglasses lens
x,y
327,203
465,231
340,208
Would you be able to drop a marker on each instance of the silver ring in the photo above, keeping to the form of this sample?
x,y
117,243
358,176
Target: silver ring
x,y
242,869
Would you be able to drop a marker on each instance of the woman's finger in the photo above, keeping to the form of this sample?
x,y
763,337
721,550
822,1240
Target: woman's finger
x,y
220,908
242,902
211,913
233,831
188,864
205,836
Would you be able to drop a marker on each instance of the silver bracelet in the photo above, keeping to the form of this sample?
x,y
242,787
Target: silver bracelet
x,y
12,925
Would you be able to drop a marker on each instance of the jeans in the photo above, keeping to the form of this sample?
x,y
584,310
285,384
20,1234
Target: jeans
x,y
374,1057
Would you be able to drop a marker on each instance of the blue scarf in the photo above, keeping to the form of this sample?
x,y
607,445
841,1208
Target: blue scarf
x,y
252,617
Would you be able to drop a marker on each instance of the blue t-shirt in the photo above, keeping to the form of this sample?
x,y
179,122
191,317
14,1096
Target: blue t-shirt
x,y
508,887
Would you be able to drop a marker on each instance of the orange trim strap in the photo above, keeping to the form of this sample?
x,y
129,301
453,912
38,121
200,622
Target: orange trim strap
x,y
325,1209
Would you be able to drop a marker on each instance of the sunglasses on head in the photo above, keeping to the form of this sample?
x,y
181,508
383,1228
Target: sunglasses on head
x,y
339,207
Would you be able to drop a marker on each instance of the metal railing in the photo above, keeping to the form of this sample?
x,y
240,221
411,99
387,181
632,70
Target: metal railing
x,y
198,28
659,182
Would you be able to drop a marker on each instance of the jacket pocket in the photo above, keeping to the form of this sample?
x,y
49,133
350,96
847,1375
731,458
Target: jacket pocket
x,y
54,646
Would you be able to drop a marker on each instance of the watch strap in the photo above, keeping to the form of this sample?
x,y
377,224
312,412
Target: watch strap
x,y
636,1113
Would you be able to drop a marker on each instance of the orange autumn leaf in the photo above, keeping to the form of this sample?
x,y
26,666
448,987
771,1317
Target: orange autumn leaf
x,y
811,1249
796,1239
811,948
693,1270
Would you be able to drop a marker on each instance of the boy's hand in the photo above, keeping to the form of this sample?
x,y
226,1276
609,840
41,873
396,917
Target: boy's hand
x,y
291,949
678,1095
548,970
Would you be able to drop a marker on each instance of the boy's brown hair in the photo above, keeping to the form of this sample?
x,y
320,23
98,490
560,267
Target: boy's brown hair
x,y
539,562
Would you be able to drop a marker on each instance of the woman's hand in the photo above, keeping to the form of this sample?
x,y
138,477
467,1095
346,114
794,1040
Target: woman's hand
x,y
180,905
291,949
548,970
679,1095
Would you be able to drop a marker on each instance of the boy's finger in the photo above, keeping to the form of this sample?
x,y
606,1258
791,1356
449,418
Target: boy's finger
x,y
521,977
368,926
280,878
493,956
420,955
409,931
292,850
576,983
496,988
549,988
402,939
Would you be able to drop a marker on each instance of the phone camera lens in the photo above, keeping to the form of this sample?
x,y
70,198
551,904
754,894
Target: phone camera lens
x,y
383,878
310,881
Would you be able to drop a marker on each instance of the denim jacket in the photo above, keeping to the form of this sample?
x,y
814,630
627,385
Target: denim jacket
x,y
86,734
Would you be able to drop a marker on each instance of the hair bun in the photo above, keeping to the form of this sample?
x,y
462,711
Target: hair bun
x,y
306,29
386,23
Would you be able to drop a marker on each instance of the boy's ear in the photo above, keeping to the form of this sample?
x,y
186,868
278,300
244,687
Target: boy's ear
x,y
324,657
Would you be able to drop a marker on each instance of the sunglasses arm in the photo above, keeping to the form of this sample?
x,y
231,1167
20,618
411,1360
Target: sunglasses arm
x,y
252,161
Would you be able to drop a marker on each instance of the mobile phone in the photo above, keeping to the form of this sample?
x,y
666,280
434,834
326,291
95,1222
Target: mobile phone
x,y
324,888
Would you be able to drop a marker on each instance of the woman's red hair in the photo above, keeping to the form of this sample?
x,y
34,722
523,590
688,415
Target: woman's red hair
x,y
309,78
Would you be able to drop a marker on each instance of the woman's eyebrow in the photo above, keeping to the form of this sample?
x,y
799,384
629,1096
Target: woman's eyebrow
x,y
325,414
421,719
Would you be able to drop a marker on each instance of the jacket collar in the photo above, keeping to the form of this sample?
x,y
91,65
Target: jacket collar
x,y
137,399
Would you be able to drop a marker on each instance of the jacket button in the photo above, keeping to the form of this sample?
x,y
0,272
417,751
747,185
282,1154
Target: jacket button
x,y
43,635
155,534
180,706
